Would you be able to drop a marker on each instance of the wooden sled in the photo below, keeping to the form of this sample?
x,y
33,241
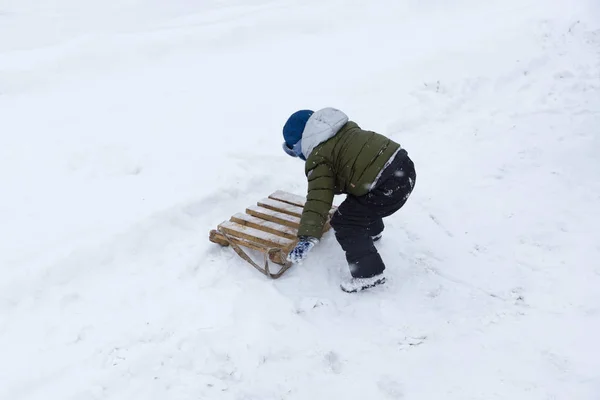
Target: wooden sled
x,y
270,227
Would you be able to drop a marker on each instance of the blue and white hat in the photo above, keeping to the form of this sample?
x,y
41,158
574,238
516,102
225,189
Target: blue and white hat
x,y
292,133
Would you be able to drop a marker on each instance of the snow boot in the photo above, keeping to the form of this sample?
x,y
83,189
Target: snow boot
x,y
359,284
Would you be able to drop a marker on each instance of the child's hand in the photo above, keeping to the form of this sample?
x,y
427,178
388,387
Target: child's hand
x,y
301,250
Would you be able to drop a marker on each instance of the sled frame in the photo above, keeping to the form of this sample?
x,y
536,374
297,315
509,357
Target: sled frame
x,y
269,227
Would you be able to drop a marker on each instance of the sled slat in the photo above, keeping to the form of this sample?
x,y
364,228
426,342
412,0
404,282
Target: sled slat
x,y
217,237
274,216
264,225
281,207
288,198
255,235
294,199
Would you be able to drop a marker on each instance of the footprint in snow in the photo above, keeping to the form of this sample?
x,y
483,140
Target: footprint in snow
x,y
517,295
310,303
410,342
333,362
435,292
391,388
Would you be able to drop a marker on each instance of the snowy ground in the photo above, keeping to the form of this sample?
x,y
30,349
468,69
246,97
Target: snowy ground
x,y
129,129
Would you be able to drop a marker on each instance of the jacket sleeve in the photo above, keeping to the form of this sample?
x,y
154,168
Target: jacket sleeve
x,y
321,186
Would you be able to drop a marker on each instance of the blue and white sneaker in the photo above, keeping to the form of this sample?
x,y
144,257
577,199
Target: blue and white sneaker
x,y
359,284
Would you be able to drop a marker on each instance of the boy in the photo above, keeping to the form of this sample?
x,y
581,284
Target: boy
x,y
376,174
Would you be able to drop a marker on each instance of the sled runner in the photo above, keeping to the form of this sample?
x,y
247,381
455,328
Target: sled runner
x,y
269,227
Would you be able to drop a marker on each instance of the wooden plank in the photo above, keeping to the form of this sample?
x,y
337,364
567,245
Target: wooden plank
x,y
274,216
264,225
217,237
255,235
288,198
294,199
333,209
281,207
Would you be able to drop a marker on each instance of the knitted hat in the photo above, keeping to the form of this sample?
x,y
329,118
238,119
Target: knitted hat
x,y
293,128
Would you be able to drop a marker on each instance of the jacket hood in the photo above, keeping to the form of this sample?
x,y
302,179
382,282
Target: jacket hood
x,y
321,126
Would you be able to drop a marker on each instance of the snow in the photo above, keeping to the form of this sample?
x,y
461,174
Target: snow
x,y
130,129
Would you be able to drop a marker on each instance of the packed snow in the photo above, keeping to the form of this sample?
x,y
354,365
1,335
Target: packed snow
x,y
130,129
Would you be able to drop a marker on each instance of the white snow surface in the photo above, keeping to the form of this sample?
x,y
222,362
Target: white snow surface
x,y
130,129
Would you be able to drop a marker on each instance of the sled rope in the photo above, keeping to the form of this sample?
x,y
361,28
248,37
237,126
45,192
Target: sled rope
x,y
271,252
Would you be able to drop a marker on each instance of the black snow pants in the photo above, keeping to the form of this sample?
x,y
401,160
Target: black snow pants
x,y
358,219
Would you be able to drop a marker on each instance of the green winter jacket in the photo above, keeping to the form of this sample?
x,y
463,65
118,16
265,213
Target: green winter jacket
x,y
340,158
